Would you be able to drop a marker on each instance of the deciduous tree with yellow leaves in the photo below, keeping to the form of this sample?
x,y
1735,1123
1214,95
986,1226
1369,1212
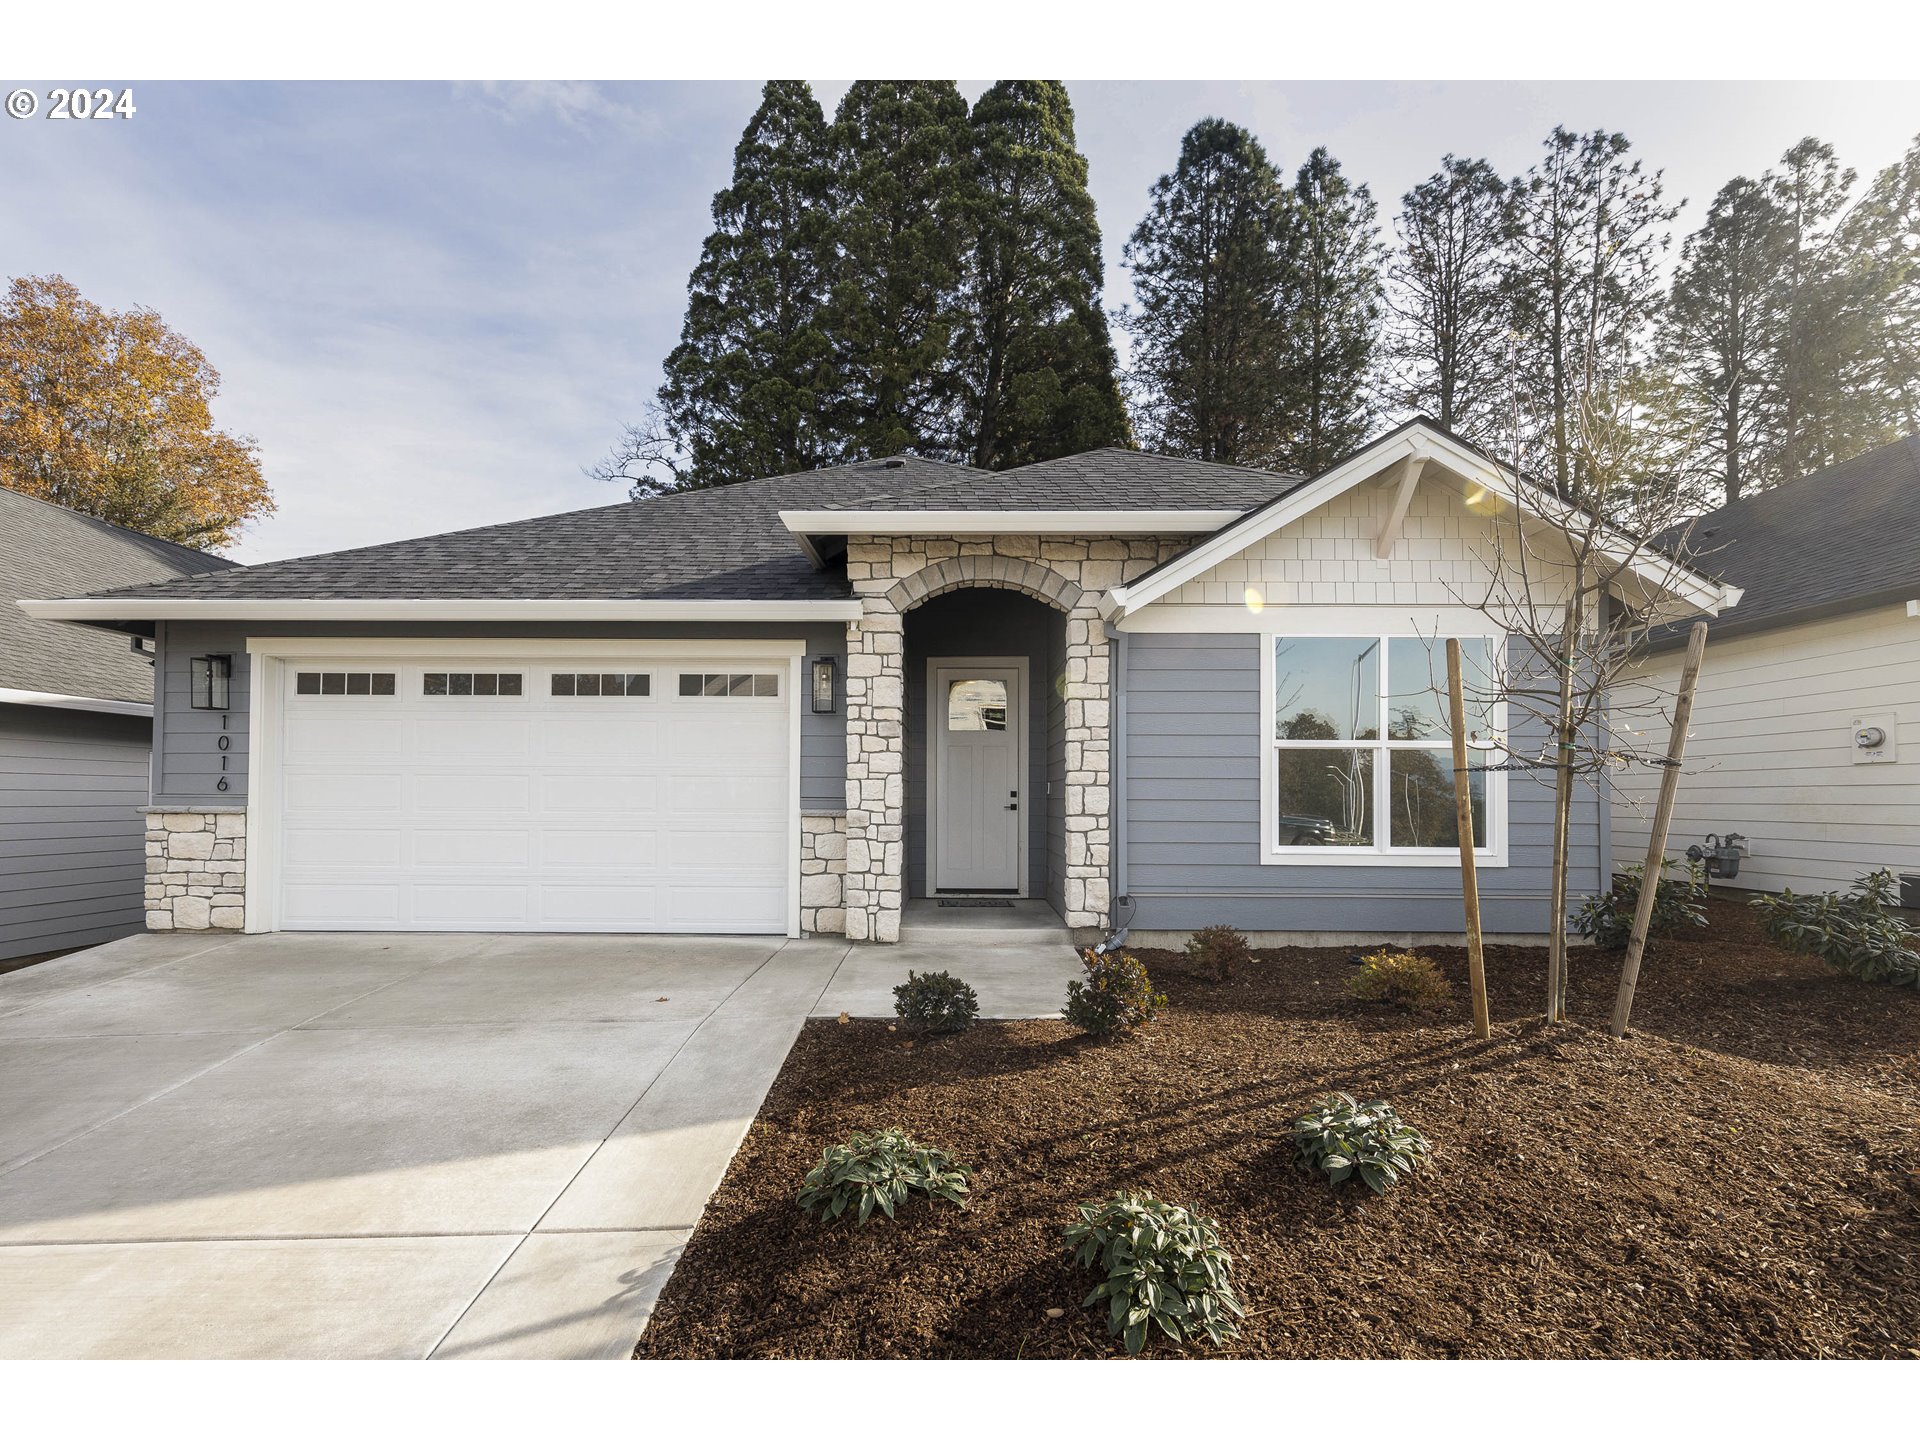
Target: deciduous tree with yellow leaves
x,y
108,412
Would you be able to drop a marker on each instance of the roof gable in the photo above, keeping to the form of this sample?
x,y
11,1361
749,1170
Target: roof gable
x,y
1401,460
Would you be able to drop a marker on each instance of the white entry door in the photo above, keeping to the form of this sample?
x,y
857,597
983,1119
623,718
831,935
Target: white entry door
x,y
516,792
977,722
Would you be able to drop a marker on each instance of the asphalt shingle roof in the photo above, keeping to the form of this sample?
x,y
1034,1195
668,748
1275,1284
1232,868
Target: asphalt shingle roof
x,y
721,544
1109,479
47,550
1840,538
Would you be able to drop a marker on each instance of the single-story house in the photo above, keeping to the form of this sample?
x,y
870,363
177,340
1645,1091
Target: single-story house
x,y
1805,738
1150,691
76,708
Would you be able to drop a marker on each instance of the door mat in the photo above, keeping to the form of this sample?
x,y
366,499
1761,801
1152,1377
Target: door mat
x,y
950,902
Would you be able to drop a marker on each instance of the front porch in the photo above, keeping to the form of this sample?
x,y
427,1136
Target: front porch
x,y
979,750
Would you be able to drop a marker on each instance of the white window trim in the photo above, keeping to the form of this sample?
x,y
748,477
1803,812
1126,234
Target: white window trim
x,y
1325,623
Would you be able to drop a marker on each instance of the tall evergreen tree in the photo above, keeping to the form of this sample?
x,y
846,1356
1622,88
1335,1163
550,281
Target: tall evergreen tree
x,y
744,386
902,169
1211,265
1819,324
1449,306
1335,315
1589,224
1720,341
1033,359
1882,241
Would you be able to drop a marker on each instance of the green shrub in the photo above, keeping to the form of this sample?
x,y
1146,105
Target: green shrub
x,y
1216,949
1607,920
936,1001
1163,1266
1343,1138
1400,977
1851,930
879,1171
1116,995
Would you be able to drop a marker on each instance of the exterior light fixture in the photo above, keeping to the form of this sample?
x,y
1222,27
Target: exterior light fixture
x,y
212,681
823,669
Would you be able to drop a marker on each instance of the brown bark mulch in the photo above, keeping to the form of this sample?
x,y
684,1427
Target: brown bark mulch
x,y
1741,1178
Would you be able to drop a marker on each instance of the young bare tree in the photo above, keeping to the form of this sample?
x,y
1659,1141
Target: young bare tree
x,y
1579,588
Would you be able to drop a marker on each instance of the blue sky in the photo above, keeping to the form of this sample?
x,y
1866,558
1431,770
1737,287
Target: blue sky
x,y
434,303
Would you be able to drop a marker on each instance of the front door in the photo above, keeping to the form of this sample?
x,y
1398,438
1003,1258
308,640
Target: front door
x,y
978,725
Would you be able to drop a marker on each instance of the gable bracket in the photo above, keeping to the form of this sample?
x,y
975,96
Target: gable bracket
x,y
1390,524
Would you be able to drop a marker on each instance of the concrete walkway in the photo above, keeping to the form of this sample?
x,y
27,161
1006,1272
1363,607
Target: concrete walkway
x,y
399,1145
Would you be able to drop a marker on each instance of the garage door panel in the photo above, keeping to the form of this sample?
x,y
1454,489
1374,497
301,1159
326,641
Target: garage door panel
x,y
662,812
723,907
509,849
320,848
598,794
726,851
584,849
608,906
314,792
574,740
474,792
472,737
469,905
365,738
333,905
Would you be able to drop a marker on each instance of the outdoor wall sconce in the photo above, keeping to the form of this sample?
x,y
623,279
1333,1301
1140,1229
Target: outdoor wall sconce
x,y
823,669
212,681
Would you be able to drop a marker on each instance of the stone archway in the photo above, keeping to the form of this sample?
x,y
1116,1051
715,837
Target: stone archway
x,y
986,572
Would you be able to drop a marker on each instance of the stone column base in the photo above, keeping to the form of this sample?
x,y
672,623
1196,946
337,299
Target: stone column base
x,y
196,870
823,873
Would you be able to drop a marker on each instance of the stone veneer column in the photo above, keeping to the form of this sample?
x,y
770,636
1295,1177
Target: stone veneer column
x,y
196,870
876,770
1089,756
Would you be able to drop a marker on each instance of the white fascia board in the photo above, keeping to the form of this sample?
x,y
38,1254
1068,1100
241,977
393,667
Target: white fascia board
x,y
1006,522
1703,594
74,702
450,610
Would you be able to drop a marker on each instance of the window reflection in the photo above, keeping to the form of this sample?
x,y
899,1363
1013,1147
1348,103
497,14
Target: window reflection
x,y
976,705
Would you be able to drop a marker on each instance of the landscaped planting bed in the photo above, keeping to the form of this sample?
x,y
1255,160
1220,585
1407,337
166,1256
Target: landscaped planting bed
x,y
1740,1178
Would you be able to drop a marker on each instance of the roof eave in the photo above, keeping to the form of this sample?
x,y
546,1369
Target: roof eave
x,y
97,610
804,523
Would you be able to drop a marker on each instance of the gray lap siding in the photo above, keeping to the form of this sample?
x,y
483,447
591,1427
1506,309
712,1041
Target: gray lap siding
x,y
187,761
1194,722
72,845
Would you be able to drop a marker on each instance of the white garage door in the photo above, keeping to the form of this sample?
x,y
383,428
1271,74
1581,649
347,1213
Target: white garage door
x,y
578,794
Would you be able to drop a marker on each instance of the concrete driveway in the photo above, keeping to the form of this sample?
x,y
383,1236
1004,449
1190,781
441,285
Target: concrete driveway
x,y
396,1145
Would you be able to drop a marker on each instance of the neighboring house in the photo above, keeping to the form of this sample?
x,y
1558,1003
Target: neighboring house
x,y
76,712
1145,689
1806,727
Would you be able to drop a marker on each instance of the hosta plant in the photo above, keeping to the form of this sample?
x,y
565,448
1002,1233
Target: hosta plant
x,y
1116,994
1342,1138
936,1001
877,1172
1403,978
1678,903
1163,1268
1854,931
1216,950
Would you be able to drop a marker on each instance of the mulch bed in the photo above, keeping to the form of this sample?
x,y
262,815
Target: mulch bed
x,y
1741,1178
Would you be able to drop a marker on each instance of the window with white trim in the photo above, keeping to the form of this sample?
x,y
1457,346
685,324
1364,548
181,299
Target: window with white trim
x,y
1361,761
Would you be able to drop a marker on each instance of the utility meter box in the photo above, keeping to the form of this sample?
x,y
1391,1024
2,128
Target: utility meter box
x,y
1871,738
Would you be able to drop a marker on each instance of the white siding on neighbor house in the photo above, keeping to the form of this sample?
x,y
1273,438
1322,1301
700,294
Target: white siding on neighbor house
x,y
1771,753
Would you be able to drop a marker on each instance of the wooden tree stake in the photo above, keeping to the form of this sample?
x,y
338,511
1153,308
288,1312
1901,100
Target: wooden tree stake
x,y
1463,810
1662,822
